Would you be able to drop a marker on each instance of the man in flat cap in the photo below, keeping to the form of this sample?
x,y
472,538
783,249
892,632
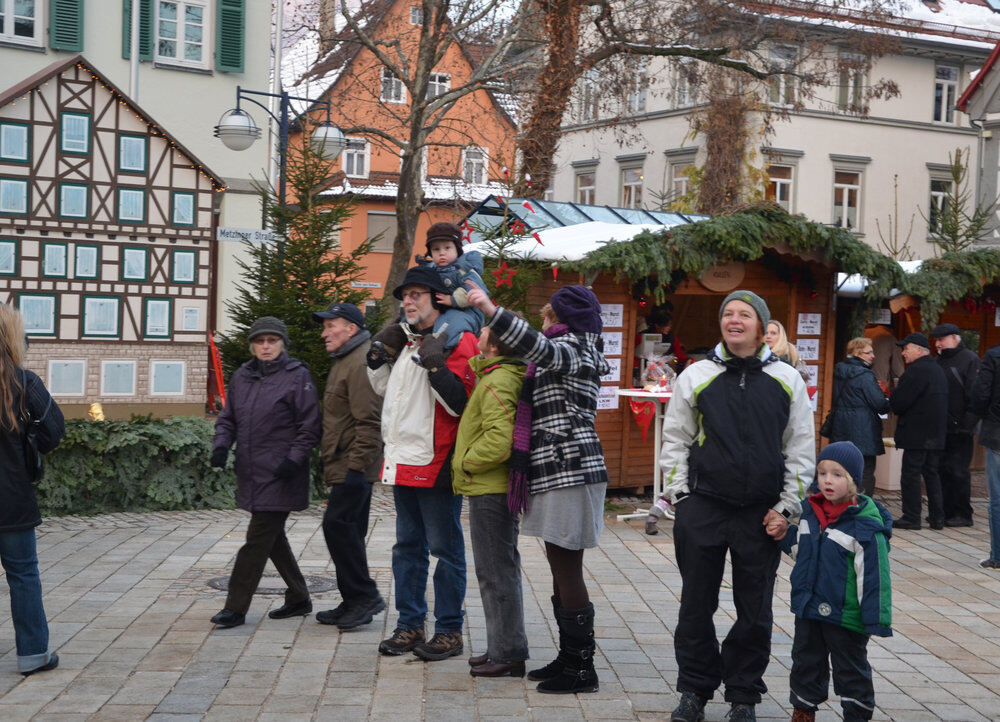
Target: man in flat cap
x,y
960,368
352,456
921,403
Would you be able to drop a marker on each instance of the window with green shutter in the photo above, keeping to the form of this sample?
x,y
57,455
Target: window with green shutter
x,y
66,25
230,22
145,29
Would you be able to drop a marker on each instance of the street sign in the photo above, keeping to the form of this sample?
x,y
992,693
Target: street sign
x,y
254,235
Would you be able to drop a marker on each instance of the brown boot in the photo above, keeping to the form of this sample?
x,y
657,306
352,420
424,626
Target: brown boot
x,y
800,715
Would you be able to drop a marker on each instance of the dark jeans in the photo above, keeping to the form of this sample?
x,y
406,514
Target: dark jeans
x,y
428,520
956,480
868,476
498,570
917,463
31,630
817,646
704,530
265,540
345,526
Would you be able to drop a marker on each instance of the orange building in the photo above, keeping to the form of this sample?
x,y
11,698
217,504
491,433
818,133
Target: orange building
x,y
465,152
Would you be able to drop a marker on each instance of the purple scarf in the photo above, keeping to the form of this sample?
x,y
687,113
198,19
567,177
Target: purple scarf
x,y
520,452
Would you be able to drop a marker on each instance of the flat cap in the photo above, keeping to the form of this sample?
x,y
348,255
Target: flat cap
x,y
918,338
944,329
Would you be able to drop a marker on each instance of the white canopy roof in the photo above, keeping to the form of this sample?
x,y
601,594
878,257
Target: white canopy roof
x,y
569,243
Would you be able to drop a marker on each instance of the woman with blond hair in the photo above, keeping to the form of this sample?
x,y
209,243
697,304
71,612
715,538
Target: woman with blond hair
x,y
24,401
777,340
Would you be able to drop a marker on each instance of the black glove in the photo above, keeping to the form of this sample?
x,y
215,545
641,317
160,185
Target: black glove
x,y
355,480
432,352
219,457
286,469
392,337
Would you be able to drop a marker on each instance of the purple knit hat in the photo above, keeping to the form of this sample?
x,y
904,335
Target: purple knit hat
x,y
578,308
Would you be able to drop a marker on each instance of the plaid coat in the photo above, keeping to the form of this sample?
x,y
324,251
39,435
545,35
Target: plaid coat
x,y
565,450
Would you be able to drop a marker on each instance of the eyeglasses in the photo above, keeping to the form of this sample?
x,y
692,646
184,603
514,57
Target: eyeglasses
x,y
413,295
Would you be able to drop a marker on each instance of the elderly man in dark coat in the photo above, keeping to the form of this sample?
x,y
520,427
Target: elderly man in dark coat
x,y
921,403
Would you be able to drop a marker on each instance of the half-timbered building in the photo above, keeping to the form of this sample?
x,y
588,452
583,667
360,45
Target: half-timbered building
x,y
107,227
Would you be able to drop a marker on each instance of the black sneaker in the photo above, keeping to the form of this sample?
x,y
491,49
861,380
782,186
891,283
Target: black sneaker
x,y
905,524
299,609
741,713
331,616
690,709
401,641
361,613
440,646
51,664
990,564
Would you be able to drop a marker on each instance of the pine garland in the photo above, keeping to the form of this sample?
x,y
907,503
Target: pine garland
x,y
953,276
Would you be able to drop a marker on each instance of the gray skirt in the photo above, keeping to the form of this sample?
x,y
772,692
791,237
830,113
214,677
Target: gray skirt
x,y
571,517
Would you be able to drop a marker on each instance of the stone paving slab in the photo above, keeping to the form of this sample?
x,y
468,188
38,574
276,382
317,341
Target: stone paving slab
x,y
129,602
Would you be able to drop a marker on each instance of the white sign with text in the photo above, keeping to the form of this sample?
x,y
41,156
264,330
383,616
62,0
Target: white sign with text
x,y
607,398
808,349
612,315
809,324
612,343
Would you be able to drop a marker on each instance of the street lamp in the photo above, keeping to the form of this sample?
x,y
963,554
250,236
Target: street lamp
x,y
237,130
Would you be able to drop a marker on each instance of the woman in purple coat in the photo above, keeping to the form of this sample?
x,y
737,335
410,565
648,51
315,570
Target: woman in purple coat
x,y
272,412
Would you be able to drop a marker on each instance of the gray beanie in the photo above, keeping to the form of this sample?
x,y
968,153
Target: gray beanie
x,y
751,298
269,324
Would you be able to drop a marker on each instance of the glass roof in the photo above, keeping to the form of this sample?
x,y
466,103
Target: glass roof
x,y
539,214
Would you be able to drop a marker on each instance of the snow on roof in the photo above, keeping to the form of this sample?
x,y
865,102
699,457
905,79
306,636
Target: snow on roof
x,y
569,243
435,189
854,285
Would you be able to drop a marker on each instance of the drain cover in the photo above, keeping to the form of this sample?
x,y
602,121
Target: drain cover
x,y
274,585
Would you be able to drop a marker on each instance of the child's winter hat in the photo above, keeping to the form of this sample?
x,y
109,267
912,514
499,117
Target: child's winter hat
x,y
847,455
578,308
445,232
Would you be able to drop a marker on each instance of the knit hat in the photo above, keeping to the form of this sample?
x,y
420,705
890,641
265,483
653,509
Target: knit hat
x,y
347,311
269,324
578,308
847,455
445,232
751,298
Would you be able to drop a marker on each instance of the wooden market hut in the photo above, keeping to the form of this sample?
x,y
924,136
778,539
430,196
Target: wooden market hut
x,y
633,259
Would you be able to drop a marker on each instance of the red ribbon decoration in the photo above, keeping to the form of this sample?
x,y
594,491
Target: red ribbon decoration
x,y
643,412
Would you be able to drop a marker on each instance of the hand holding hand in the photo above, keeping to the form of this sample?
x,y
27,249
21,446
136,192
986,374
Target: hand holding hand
x,y
477,298
219,457
775,525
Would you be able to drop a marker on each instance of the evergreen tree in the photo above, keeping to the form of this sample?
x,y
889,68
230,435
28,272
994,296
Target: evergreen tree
x,y
304,271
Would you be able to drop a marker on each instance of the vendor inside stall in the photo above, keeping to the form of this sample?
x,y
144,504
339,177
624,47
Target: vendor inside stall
x,y
658,341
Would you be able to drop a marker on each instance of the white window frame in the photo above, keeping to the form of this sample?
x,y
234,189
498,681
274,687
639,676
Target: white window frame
x,y
7,131
684,91
149,305
472,167
851,88
154,365
55,389
438,84
680,183
91,307
48,329
588,95
131,192
394,86
132,252
184,253
945,94
36,38
76,261
20,204
635,101
54,260
938,200
416,15
63,205
190,318
781,184
175,211
69,144
126,145
781,88
630,197
122,363
357,151
841,193
583,193
8,258
206,34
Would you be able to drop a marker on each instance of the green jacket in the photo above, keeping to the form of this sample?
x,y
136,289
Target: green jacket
x,y
486,432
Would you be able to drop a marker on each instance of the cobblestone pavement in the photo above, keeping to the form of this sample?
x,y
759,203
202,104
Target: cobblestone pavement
x,y
129,600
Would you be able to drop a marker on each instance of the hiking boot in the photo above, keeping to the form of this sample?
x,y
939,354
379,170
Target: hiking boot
x,y
331,616
740,712
360,614
401,641
800,715
690,709
441,646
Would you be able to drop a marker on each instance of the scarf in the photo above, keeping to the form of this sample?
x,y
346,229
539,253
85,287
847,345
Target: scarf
x,y
826,511
520,451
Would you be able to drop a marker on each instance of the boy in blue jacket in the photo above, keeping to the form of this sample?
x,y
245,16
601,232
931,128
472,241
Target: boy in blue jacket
x,y
841,591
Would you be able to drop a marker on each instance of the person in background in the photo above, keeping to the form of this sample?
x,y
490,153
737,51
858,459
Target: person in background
x,y
558,477
986,404
839,597
960,368
777,340
272,414
858,400
23,397
351,450
479,472
888,365
737,455
921,403
661,321
455,267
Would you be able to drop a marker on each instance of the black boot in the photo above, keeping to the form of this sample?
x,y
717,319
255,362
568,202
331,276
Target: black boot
x,y
555,667
577,674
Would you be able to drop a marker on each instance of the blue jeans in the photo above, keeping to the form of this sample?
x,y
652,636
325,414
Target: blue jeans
x,y
31,630
993,483
428,520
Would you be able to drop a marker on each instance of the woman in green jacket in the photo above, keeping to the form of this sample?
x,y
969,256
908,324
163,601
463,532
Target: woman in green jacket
x,y
479,471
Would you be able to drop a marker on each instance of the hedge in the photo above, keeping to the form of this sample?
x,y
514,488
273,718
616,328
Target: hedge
x,y
139,465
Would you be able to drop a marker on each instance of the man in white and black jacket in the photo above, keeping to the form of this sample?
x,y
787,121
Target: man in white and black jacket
x,y
738,454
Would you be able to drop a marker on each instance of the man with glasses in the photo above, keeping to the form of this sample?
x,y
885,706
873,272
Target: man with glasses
x,y
425,389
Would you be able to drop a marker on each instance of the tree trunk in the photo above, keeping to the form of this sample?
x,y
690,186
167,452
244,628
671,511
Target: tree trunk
x,y
555,86
724,124
409,204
